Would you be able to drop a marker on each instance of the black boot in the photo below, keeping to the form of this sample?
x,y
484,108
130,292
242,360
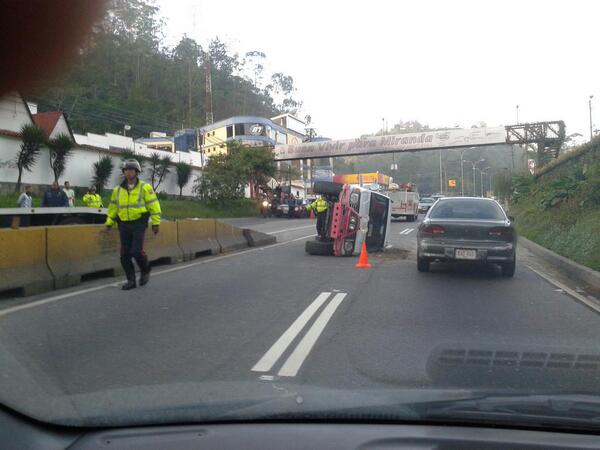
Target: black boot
x,y
129,285
144,269
144,277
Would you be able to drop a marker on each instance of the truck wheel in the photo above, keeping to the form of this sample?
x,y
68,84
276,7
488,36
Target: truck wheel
x,y
319,248
327,188
72,221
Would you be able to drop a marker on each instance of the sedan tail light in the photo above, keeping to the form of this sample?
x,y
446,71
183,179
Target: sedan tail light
x,y
501,232
433,230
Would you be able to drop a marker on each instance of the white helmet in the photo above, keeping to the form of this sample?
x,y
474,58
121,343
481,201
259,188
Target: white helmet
x,y
131,164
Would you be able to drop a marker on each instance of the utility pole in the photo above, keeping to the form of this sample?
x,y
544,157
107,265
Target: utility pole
x,y
590,104
209,103
190,93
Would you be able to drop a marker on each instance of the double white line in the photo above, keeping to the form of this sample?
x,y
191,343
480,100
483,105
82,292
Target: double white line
x,y
292,365
407,231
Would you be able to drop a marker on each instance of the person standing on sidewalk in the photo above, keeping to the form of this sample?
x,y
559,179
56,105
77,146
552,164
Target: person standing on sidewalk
x,y
70,193
25,200
55,197
133,202
91,199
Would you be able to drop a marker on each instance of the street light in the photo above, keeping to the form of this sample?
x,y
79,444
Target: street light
x,y
474,164
517,114
126,128
482,172
462,172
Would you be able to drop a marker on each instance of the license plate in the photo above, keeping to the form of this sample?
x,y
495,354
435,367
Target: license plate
x,y
462,253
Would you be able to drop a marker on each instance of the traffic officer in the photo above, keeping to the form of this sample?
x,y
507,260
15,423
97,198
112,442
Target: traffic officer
x,y
91,199
133,202
320,206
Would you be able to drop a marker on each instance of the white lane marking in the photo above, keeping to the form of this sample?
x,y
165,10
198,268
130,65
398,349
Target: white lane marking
x,y
291,229
406,231
294,362
55,298
269,359
589,303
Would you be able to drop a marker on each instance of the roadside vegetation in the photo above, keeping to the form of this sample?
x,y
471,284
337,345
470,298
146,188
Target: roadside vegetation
x,y
560,209
172,208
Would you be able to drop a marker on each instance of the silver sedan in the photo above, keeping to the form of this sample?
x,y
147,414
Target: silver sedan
x,y
475,230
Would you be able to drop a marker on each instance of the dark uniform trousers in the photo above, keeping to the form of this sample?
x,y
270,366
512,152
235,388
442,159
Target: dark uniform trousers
x,y
321,221
132,246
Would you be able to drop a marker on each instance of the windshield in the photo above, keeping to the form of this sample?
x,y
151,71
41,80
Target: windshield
x,y
466,209
209,211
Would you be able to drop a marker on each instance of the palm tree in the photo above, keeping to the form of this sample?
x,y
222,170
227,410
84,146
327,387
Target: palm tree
x,y
33,138
184,171
159,168
102,172
60,149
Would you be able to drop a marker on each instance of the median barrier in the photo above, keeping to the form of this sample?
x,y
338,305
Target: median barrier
x,y
230,238
163,248
197,237
258,239
23,269
77,252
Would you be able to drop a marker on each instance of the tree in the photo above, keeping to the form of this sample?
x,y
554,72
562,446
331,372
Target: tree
x,y
225,176
255,165
33,138
159,168
102,172
60,148
184,172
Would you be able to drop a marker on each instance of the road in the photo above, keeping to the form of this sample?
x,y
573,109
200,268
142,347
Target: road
x,y
276,314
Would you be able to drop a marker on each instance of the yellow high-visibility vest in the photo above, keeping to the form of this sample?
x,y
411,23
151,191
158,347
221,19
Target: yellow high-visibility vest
x,y
131,205
92,200
318,205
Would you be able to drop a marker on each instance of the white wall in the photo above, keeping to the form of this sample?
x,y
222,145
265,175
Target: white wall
x,y
60,128
13,113
80,168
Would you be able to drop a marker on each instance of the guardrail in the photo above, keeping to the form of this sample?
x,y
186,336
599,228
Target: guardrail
x,y
39,259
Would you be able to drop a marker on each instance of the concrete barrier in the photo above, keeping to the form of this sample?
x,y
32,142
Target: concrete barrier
x,y
23,266
258,239
230,238
197,237
163,247
78,251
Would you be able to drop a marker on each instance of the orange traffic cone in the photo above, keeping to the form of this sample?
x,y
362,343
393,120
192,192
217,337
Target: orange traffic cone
x,y
312,214
363,260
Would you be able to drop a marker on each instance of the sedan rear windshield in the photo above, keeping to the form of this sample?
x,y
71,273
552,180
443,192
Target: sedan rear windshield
x,y
467,209
427,200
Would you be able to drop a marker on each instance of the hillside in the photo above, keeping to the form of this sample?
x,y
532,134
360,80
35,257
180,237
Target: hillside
x,y
126,75
561,208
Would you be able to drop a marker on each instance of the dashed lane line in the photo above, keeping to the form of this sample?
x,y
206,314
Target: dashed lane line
x,y
291,367
270,358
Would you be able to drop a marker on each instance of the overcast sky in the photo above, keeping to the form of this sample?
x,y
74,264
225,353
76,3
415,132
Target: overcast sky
x,y
443,63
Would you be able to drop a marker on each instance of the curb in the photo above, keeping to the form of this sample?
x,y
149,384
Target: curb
x,y
571,268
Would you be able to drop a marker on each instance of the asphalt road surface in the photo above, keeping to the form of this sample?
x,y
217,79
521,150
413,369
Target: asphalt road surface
x,y
275,314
